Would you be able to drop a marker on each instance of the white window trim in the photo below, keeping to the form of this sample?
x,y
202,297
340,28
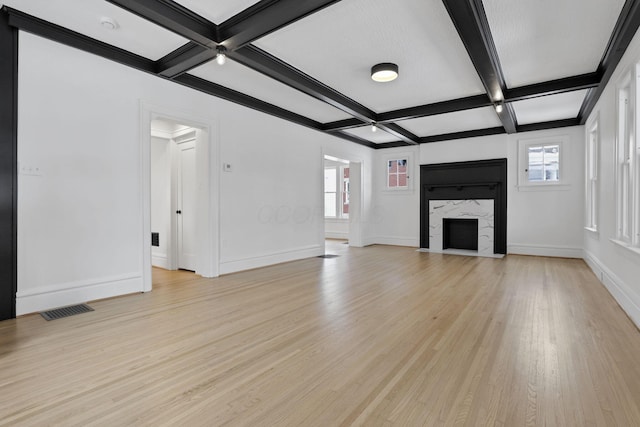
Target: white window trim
x,y
592,172
563,184
628,82
385,167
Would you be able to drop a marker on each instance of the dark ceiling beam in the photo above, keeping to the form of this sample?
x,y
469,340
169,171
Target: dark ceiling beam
x,y
461,135
470,20
342,125
67,37
402,134
184,59
175,18
450,106
554,124
266,17
246,100
626,27
273,67
553,87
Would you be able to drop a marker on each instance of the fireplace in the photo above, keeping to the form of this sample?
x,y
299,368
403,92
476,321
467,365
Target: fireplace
x,y
460,233
460,214
475,190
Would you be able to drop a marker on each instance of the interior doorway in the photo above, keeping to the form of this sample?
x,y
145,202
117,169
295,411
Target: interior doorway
x,y
345,199
174,194
180,213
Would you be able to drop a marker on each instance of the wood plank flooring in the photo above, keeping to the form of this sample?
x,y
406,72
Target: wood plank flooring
x,y
380,336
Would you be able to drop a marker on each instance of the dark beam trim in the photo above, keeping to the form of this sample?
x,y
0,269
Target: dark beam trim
x,y
461,135
549,125
402,134
394,144
265,17
173,17
273,67
8,167
248,101
342,125
450,106
626,27
184,59
67,37
470,20
553,87
356,139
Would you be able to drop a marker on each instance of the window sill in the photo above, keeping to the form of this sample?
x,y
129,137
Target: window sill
x,y
544,187
626,246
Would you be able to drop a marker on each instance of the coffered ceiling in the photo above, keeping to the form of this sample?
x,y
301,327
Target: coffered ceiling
x,y
544,61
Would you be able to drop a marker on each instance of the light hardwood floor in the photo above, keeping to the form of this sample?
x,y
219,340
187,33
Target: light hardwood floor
x,y
380,336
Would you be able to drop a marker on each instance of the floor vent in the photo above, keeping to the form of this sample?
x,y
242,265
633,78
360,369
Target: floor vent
x,y
328,256
59,313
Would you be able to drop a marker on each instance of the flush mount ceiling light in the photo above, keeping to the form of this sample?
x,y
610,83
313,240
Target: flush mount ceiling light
x,y
384,72
221,57
108,23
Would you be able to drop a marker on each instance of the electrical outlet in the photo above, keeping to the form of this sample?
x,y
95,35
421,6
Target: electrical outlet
x,y
226,167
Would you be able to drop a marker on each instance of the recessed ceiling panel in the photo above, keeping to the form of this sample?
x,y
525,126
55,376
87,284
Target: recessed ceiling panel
x,y
459,121
540,40
377,137
217,11
548,108
339,44
133,33
244,80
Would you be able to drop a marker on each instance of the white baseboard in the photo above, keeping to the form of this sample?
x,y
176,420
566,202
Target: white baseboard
x,y
160,261
398,241
617,288
336,235
60,295
232,266
545,250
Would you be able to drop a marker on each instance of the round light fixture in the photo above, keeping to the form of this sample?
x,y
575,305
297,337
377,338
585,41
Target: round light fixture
x,y
108,23
374,128
499,108
384,72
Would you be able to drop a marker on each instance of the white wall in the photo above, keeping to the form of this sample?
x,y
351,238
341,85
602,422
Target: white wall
x,y
531,227
80,222
617,267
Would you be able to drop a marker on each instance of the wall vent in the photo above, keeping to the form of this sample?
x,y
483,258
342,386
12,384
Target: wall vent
x,y
155,239
61,312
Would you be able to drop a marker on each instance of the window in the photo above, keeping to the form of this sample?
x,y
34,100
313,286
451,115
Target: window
x,y
541,164
592,196
336,191
397,173
628,227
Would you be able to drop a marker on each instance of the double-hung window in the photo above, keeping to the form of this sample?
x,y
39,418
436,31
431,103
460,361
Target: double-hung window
x,y
592,186
627,157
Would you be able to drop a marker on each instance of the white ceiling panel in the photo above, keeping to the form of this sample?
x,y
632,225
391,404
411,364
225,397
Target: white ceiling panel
x,y
339,45
540,40
548,108
377,137
459,121
134,34
217,11
243,79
